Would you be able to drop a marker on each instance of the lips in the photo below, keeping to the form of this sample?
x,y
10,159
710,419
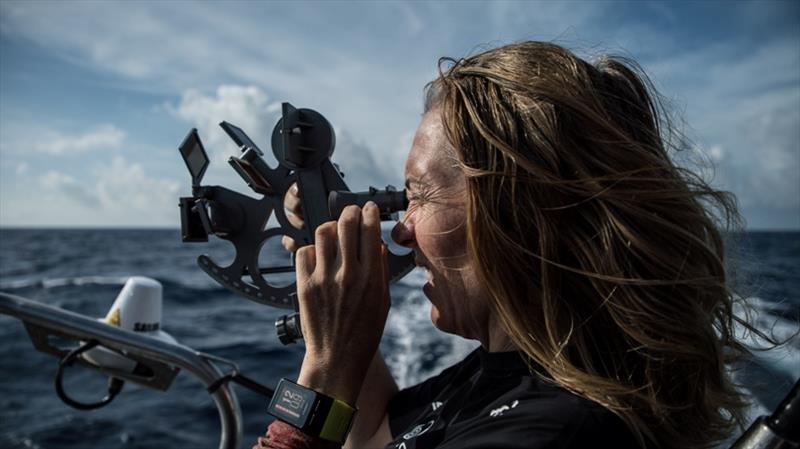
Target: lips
x,y
428,274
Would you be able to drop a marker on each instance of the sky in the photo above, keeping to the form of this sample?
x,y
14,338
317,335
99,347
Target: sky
x,y
95,97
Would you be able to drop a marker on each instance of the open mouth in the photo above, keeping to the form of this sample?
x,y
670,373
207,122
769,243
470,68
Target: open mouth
x,y
424,266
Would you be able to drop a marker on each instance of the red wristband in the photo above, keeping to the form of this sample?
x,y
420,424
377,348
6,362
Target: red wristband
x,y
284,436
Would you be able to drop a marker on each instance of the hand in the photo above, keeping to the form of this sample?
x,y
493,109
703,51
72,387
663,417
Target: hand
x,y
343,293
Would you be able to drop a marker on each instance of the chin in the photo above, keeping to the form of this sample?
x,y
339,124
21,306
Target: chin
x,y
439,323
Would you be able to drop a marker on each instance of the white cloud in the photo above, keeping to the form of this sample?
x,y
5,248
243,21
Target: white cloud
x,y
747,103
249,108
118,193
104,137
366,74
368,86
716,153
357,161
123,186
396,157
61,184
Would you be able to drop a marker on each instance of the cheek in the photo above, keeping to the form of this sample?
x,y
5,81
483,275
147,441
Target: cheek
x,y
463,307
443,238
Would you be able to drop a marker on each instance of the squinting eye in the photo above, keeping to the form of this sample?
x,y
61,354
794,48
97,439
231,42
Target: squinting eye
x,y
419,196
416,198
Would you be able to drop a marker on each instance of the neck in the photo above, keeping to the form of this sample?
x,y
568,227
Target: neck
x,y
495,339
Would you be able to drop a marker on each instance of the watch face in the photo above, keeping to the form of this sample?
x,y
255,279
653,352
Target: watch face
x,y
292,403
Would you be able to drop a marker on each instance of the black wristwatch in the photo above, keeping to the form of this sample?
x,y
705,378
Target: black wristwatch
x,y
312,412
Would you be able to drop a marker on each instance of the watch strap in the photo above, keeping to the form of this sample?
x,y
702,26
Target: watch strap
x,y
325,417
337,422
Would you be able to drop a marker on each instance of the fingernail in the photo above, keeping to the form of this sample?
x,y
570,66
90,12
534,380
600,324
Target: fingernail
x,y
370,204
294,188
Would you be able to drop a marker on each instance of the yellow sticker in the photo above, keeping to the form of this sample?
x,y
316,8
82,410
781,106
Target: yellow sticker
x,y
113,318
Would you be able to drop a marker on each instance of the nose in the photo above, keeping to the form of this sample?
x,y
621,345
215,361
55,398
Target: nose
x,y
403,233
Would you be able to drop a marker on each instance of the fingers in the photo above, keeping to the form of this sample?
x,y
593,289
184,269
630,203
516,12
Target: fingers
x,y
305,262
349,224
289,244
379,281
295,220
369,248
294,213
326,246
294,210
353,241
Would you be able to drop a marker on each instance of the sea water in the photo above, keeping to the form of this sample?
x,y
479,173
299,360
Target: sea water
x,y
83,270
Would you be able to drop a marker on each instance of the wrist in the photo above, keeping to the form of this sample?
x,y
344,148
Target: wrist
x,y
330,379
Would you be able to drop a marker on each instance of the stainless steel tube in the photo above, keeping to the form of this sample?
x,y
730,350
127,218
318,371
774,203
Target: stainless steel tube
x,y
85,328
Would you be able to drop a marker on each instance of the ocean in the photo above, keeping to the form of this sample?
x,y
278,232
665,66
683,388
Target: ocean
x,y
83,270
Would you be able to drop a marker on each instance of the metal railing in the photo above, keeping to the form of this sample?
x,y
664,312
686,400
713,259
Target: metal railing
x,y
164,359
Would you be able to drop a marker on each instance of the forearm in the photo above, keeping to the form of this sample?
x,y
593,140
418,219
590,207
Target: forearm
x,y
378,388
343,299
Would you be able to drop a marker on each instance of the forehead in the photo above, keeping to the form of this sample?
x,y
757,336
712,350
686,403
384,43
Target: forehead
x,y
432,159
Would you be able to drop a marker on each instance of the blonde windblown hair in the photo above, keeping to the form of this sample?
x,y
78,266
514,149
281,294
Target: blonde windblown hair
x,y
604,259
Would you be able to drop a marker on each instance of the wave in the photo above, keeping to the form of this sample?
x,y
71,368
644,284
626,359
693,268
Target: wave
x,y
49,283
413,348
783,326
192,284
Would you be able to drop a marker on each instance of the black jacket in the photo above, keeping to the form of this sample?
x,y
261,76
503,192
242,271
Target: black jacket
x,y
492,400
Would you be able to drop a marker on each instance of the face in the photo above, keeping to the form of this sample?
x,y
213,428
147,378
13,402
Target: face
x,y
434,227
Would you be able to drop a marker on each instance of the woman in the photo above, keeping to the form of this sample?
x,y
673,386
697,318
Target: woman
x,y
556,231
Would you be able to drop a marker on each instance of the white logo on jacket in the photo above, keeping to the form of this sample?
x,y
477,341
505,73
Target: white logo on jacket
x,y
500,410
419,430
